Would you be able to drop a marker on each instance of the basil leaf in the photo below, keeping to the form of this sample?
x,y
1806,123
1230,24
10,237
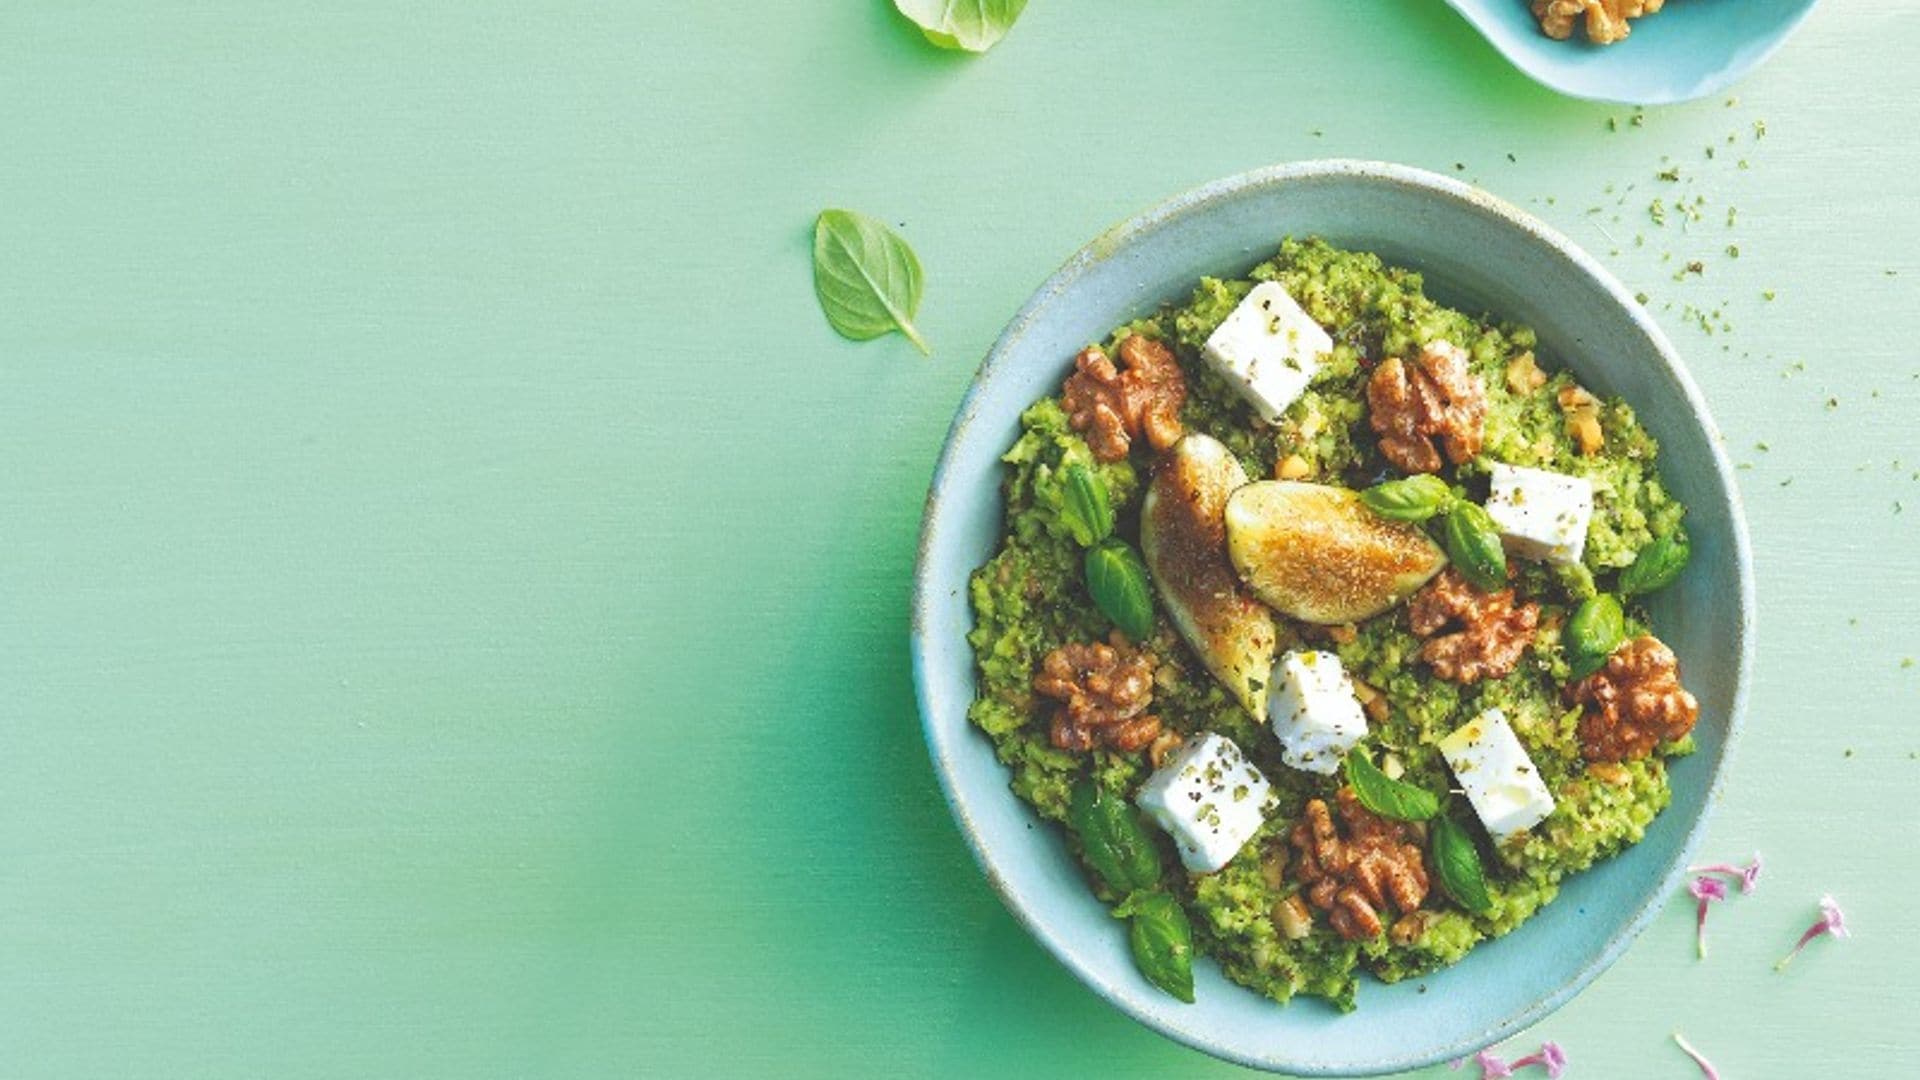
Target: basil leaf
x,y
1084,505
1656,566
1458,861
1474,546
1118,581
1386,796
1413,498
1162,941
867,278
1597,627
972,25
1115,843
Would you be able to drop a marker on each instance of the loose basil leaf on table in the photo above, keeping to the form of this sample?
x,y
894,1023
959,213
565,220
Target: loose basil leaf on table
x,y
971,25
1412,498
1386,796
1162,941
867,278
1118,581
1084,506
1473,543
1596,628
1116,844
1458,861
1656,566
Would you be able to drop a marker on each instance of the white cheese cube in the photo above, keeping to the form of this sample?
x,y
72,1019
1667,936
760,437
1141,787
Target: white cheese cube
x,y
1269,349
1210,798
1500,780
1315,712
1541,514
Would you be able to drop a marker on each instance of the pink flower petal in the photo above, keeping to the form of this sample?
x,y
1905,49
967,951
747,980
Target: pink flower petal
x,y
1707,889
1706,1067
1749,874
1491,1067
1550,1057
1831,921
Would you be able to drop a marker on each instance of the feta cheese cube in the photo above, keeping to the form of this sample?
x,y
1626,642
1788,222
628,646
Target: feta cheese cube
x,y
1541,514
1210,798
1500,780
1269,349
1315,712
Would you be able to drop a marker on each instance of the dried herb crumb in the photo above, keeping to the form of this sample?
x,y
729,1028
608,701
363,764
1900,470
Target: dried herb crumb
x,y
1833,403
1766,294
1762,447
1640,297
1759,129
1671,175
1510,157
1638,119
1733,251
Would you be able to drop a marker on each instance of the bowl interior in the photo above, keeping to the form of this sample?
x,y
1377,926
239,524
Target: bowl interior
x,y
1690,49
1477,254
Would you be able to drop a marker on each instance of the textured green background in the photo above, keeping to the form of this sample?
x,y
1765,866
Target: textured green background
x,y
453,604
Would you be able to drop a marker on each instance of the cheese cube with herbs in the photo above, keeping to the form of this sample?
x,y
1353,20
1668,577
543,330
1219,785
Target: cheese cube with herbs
x,y
1315,712
1541,514
1500,779
1269,348
1209,798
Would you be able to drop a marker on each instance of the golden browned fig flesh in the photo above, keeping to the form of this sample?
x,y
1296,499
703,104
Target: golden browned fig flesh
x,y
1317,554
1183,536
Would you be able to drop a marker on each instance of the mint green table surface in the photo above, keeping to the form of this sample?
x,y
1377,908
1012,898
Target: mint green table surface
x,y
453,605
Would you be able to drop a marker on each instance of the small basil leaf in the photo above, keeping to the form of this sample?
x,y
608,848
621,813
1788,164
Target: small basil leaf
x,y
1162,941
1474,546
1458,861
973,25
1656,566
1118,581
1597,627
1386,796
1115,843
1412,498
1084,505
867,278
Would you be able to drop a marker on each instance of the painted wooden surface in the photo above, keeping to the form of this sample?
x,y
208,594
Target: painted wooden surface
x,y
452,620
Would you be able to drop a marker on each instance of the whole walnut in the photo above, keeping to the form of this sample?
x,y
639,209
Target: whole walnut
x,y
1634,702
1104,690
1112,407
1486,632
1433,398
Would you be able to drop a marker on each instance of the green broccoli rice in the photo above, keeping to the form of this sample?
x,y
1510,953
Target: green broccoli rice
x,y
1031,598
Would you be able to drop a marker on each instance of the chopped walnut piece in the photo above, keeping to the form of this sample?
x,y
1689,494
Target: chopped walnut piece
x,y
1104,690
1112,407
1524,375
1606,20
1435,397
1583,418
1488,631
1162,746
1375,867
1633,703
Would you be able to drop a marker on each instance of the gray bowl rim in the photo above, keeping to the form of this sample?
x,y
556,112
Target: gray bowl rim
x,y
1195,201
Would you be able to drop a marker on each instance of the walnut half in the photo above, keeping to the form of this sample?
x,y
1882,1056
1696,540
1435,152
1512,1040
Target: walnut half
x,y
1486,632
1375,867
1633,703
1112,407
1432,398
1104,691
1606,20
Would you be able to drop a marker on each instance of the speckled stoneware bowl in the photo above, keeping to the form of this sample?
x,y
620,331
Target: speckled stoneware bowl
x,y
1689,49
1480,254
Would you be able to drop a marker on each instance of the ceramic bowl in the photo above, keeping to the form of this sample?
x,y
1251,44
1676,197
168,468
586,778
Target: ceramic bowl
x,y
1690,49
1479,254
